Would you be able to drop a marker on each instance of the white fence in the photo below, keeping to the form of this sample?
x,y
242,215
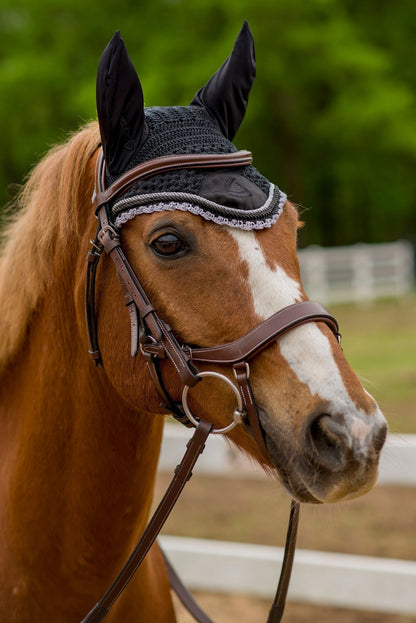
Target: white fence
x,y
320,578
361,272
397,462
332,579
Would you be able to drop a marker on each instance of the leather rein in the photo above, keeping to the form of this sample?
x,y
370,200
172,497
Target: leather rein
x,y
155,340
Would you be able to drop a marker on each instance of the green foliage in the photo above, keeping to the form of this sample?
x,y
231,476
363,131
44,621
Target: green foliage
x,y
332,116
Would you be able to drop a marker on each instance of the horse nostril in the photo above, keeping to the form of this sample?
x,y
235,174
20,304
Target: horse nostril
x,y
330,440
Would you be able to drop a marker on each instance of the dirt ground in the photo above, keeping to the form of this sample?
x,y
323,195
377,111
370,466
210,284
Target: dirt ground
x,y
382,523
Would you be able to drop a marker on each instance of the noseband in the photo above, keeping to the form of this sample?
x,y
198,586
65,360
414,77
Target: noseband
x,y
155,340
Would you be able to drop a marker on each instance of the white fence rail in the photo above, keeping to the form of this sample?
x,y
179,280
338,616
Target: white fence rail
x,y
397,463
340,580
361,272
331,579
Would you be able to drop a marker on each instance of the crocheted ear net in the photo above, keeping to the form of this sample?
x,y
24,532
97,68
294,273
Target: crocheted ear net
x,y
239,197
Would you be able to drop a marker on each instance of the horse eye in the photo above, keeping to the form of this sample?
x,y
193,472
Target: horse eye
x,y
168,245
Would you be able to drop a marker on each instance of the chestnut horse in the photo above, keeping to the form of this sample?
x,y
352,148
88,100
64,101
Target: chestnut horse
x,y
79,443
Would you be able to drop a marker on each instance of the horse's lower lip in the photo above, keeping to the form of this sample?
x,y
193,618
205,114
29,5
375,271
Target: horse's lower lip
x,y
289,477
292,481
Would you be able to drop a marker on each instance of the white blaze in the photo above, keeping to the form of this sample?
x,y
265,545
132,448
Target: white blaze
x,y
306,349
272,289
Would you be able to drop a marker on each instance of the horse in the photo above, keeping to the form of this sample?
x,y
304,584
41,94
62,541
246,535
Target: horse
x,y
213,244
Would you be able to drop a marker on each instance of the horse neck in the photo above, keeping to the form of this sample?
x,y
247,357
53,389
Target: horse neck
x,y
79,464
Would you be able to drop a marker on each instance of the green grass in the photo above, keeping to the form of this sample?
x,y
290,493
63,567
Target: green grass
x,y
379,341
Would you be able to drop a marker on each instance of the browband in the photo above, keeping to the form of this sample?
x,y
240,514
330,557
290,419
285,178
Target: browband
x,y
161,165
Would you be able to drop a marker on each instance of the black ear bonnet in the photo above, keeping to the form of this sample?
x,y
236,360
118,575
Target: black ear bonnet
x,y
131,134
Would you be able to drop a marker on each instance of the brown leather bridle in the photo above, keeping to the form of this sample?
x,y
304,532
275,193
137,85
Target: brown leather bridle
x,y
153,337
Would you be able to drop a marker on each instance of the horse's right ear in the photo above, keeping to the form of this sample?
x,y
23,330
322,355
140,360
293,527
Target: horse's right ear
x,y
225,95
120,106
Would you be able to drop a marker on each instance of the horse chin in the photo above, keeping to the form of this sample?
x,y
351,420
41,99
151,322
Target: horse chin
x,y
296,488
289,476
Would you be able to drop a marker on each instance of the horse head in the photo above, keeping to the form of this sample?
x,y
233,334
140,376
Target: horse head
x,y
215,251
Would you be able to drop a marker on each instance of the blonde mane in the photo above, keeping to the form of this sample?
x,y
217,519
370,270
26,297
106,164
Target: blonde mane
x,y
46,223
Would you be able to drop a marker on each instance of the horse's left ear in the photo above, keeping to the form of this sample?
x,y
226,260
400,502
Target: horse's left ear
x,y
120,106
225,96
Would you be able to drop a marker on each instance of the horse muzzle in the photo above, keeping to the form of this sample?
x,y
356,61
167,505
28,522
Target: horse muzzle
x,y
336,460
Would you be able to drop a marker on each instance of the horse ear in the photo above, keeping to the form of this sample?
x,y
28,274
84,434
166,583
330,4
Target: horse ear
x,y
120,106
225,96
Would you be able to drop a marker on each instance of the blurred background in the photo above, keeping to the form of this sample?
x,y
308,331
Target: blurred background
x,y
332,116
332,120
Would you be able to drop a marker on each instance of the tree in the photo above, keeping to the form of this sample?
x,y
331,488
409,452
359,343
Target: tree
x,y
332,116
